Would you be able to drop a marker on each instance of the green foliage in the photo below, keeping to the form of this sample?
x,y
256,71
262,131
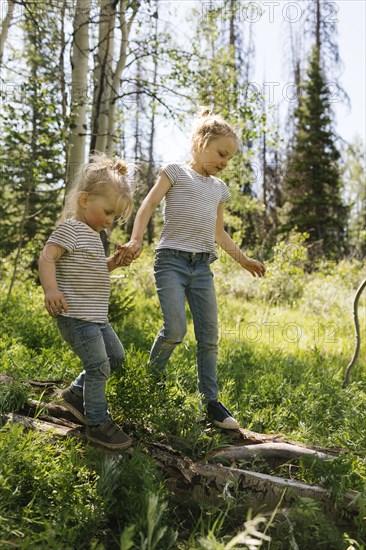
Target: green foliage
x,y
48,498
250,537
304,526
280,370
134,502
285,273
32,149
12,397
56,495
26,318
121,301
354,178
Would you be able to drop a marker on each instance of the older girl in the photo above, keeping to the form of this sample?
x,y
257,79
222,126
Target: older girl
x,y
193,222
74,274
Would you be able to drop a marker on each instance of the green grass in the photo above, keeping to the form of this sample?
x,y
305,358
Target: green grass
x,y
282,360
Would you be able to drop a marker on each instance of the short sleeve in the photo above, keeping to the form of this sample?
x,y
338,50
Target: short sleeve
x,y
64,235
172,171
225,196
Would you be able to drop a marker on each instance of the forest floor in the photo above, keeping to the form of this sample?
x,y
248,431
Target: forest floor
x,y
284,346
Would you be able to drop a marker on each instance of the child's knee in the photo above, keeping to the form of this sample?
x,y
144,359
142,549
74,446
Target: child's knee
x,y
174,336
105,369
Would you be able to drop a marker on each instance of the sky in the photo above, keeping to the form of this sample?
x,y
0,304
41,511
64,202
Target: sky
x,y
272,75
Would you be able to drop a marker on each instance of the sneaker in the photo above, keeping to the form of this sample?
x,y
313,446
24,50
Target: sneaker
x,y
221,416
73,403
109,435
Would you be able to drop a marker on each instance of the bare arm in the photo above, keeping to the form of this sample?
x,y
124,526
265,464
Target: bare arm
x,y
55,301
132,250
224,240
111,263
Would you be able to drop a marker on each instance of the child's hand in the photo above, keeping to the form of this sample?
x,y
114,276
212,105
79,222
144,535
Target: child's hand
x,y
128,252
55,302
254,267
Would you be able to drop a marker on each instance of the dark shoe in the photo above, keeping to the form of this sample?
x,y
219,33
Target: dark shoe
x,y
109,435
221,417
73,403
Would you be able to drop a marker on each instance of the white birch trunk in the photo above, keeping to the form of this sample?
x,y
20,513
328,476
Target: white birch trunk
x,y
125,30
5,28
103,76
79,86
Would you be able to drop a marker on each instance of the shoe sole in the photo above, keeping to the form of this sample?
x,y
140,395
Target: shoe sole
x,y
227,426
73,411
112,446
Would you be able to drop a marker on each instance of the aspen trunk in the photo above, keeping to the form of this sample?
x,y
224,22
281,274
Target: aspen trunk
x,y
5,28
79,88
116,81
103,76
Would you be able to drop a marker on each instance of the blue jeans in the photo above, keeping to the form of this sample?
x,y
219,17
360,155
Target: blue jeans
x,y
100,351
180,275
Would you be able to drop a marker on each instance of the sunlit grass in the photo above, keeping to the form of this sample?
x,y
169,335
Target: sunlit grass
x,y
282,360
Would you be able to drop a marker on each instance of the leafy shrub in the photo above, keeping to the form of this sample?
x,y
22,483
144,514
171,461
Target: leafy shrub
x,y
304,526
24,317
12,397
284,280
134,502
48,498
121,300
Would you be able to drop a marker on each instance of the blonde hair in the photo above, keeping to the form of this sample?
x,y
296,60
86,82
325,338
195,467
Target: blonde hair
x,y
210,126
100,177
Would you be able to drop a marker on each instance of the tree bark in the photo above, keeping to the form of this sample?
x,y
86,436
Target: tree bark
x,y
150,167
265,450
114,92
5,28
205,484
103,75
79,91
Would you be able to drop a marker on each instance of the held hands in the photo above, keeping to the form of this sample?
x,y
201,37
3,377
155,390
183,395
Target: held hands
x,y
55,302
254,267
126,253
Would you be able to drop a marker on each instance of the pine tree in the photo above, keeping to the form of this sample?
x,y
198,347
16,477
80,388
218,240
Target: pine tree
x,y
312,182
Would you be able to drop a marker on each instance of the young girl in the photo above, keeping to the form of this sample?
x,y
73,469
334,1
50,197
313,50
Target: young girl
x,y
74,275
193,221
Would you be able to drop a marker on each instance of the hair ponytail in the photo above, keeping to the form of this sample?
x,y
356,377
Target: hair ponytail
x,y
211,126
204,112
101,176
121,167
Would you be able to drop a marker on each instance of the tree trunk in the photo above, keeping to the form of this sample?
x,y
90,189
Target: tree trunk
x,y
79,91
103,76
150,167
114,92
205,485
265,450
317,25
30,185
5,28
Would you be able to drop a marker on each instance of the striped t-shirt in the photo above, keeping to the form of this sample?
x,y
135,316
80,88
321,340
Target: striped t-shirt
x,y
191,210
82,273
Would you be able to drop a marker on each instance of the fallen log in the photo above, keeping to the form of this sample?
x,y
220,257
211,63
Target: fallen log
x,y
42,410
265,450
45,385
58,429
199,483
205,485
